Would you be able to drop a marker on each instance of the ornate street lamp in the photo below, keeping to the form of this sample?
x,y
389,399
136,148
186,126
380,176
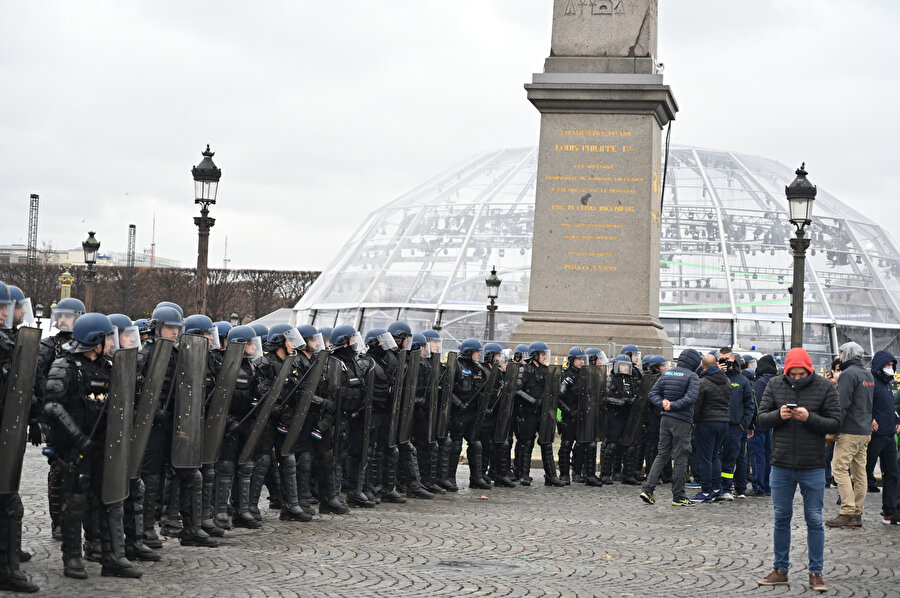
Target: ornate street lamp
x,y
206,186
39,313
90,247
235,319
800,196
493,287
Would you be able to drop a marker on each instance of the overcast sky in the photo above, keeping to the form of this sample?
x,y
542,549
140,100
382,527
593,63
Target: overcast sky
x,y
319,112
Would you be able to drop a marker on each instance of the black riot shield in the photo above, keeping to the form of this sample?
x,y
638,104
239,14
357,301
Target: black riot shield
x,y
119,419
397,399
219,402
485,398
547,431
505,402
190,380
432,395
442,428
264,409
19,389
333,377
638,412
586,410
410,382
147,401
600,400
366,415
310,382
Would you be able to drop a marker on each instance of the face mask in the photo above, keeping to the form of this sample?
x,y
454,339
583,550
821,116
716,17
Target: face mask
x,y
889,371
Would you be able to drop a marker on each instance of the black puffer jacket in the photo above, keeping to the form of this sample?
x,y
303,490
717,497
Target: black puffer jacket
x,y
795,444
714,399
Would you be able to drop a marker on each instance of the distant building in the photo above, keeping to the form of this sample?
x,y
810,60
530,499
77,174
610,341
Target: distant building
x,y
18,254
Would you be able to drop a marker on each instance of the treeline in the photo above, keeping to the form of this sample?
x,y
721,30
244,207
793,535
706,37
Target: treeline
x,y
249,293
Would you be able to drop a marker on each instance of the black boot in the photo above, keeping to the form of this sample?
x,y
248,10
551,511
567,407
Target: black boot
x,y
501,462
170,524
590,465
390,494
525,471
450,452
290,502
565,455
517,462
242,516
208,473
410,462
328,501
74,509
55,494
11,577
607,452
135,549
273,485
372,481
578,461
632,466
192,512
257,480
550,477
151,495
115,564
222,487
474,454
432,475
304,479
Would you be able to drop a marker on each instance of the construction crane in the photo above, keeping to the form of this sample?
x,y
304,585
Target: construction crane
x,y
31,260
129,288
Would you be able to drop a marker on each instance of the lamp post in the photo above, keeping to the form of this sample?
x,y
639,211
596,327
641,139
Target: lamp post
x,y
235,319
39,313
206,185
800,196
493,286
65,282
90,247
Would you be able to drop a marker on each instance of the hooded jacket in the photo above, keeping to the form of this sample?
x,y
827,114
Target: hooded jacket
x,y
714,398
742,408
766,369
679,386
856,388
883,399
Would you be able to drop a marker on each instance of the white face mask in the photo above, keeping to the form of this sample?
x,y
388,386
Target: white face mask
x,y
888,370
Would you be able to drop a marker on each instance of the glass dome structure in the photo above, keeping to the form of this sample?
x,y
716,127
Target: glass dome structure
x,y
725,261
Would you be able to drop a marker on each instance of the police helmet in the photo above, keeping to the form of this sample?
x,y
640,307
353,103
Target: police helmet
x,y
168,316
656,361
491,350
418,341
400,330
520,351
120,321
198,323
15,293
223,327
90,330
537,347
241,333
170,304
372,335
341,336
262,331
325,331
629,350
468,347
70,304
431,335
592,355
5,295
577,353
307,331
143,325
6,300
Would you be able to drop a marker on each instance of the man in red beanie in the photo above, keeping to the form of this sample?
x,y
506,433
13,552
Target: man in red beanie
x,y
800,408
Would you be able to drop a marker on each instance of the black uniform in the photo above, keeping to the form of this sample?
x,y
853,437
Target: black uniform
x,y
428,452
621,394
381,474
469,383
354,369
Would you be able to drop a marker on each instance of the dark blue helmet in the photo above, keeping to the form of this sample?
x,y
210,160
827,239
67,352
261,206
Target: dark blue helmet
x,y
262,331
577,353
307,331
468,347
537,347
520,351
120,321
418,341
241,333
90,330
341,336
16,293
5,295
655,361
594,355
629,350
372,337
431,334
143,325
223,327
197,323
325,331
70,304
490,351
172,305
168,316
399,330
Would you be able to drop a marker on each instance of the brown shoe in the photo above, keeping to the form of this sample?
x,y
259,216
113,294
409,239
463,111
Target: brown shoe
x,y
841,521
776,578
816,583
855,521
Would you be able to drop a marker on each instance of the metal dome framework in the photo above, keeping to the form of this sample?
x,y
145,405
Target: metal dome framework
x,y
725,261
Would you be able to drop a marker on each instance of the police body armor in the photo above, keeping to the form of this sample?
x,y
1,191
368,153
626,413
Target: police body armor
x,y
119,419
638,409
190,383
17,386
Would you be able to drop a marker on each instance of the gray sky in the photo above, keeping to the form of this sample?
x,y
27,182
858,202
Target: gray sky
x,y
320,112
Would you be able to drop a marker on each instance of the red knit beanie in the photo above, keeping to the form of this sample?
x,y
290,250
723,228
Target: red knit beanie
x,y
798,358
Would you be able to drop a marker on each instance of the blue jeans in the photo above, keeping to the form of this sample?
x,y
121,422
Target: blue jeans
x,y
784,482
760,457
708,439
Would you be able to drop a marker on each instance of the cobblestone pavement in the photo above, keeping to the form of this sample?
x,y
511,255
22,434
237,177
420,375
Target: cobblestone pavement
x,y
538,541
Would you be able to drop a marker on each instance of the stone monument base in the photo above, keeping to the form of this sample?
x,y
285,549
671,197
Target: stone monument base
x,y
563,330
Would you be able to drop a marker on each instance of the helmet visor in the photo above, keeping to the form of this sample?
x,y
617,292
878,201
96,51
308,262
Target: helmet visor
x,y
602,359
64,319
623,368
425,350
293,341
130,337
253,349
386,341
23,315
357,343
6,314
315,343
111,342
435,345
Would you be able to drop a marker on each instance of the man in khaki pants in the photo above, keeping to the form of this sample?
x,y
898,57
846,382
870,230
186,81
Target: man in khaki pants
x,y
856,388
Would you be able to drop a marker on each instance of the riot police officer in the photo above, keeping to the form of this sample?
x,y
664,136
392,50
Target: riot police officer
x,y
496,456
568,406
469,383
22,314
383,460
422,425
596,356
325,331
622,388
633,456
532,384
76,409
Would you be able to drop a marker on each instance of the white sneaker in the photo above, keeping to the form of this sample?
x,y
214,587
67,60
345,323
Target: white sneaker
x,y
725,496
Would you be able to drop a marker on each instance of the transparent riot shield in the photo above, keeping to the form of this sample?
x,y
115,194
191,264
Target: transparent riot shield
x,y
507,399
410,382
119,419
308,383
188,398
147,401
433,395
396,399
485,397
17,404
547,430
449,377
219,402
638,413
264,409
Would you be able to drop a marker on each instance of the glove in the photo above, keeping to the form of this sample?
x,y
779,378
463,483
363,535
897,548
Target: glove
x,y
327,406
457,403
231,429
276,413
161,418
34,434
81,442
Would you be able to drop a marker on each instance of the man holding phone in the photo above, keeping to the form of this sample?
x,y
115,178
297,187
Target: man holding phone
x,y
800,408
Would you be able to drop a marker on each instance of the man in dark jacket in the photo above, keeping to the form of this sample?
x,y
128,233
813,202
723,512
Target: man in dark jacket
x,y
711,415
675,394
882,445
800,408
761,441
742,410
856,388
